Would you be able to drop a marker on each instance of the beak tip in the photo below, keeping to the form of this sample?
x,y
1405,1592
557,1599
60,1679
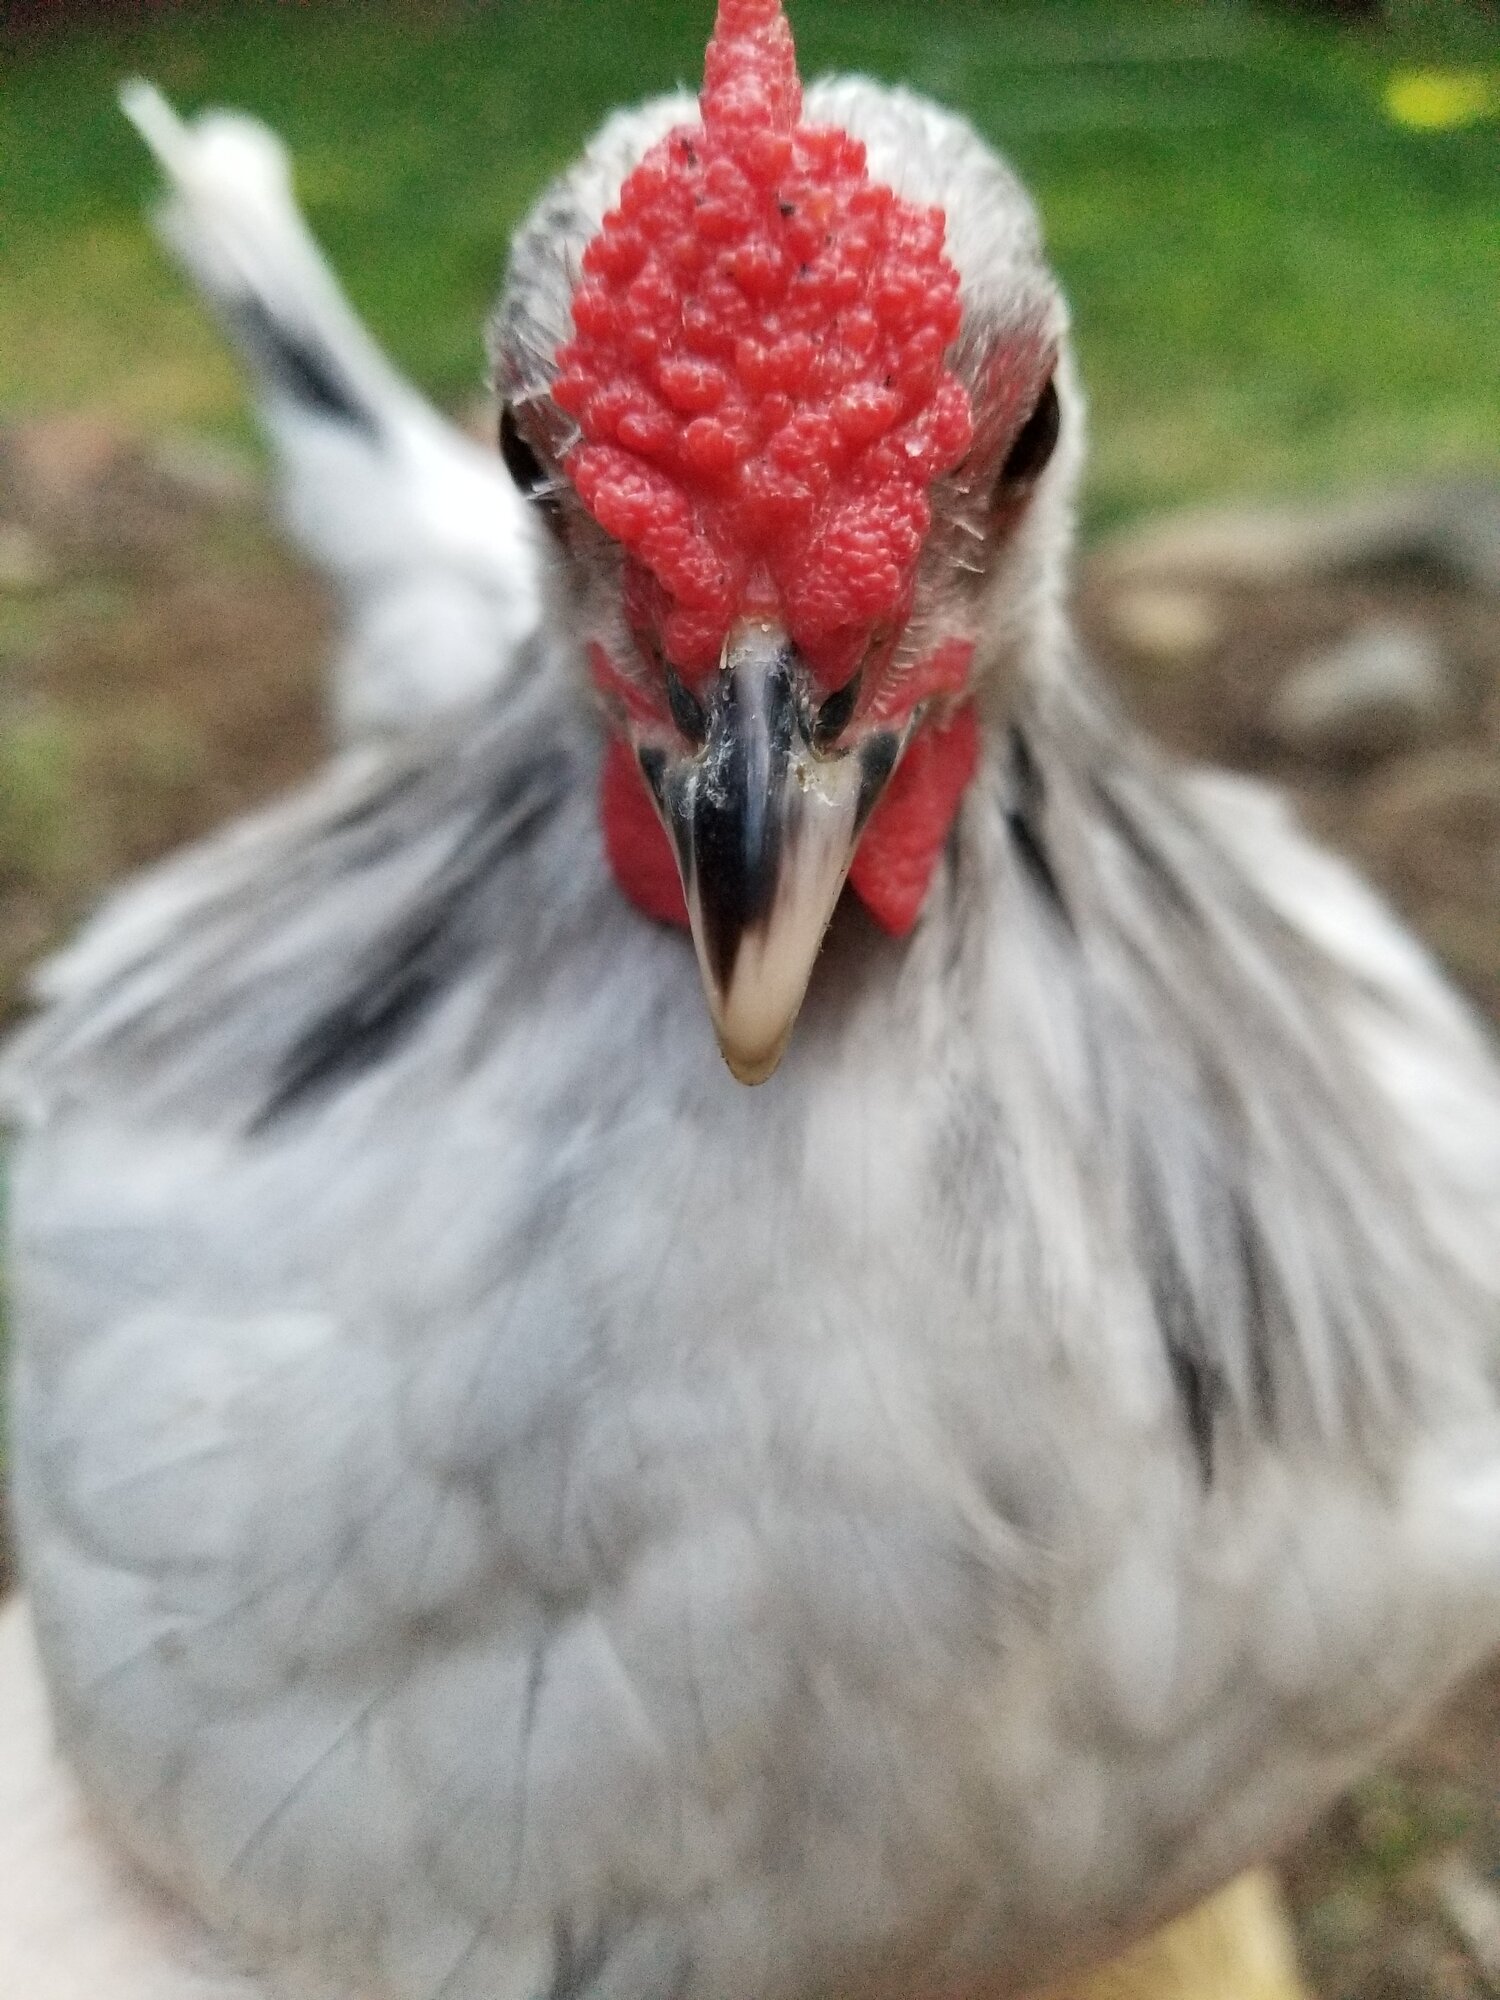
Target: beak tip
x,y
752,1066
755,1011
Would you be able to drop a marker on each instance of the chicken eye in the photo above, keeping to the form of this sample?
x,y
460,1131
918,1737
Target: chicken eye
x,y
521,462
1033,445
833,717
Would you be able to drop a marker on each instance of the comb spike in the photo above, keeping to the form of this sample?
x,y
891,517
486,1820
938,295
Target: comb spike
x,y
759,373
750,80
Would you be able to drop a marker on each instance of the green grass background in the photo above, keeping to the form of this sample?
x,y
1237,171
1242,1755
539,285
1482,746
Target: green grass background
x,y
1275,286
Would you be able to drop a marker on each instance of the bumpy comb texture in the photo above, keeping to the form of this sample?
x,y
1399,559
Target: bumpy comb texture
x,y
758,373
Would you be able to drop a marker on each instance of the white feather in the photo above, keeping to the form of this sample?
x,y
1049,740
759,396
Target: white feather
x,y
423,534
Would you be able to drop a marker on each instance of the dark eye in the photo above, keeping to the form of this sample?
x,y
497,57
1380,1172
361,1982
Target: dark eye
x,y
1034,444
521,462
832,719
687,710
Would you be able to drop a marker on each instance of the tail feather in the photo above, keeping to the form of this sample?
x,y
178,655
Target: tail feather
x,y
422,533
231,220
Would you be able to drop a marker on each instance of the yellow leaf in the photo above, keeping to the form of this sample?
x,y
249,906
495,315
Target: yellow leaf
x,y
1437,100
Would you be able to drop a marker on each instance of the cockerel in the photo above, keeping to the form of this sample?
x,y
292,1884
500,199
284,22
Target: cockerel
x,y
507,1510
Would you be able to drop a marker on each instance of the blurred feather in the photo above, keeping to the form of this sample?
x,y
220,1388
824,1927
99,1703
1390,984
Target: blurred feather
x,y
423,536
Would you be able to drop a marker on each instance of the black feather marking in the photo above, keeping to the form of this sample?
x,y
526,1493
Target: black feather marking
x,y
410,971
378,1013
1261,1308
1152,864
375,805
1198,1391
1196,1380
304,369
1024,815
1198,1383
576,1968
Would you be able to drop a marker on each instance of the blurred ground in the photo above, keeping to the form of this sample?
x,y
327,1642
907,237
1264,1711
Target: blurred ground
x,y
160,668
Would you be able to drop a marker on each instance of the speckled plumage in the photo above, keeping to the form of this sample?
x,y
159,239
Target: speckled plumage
x,y
509,1511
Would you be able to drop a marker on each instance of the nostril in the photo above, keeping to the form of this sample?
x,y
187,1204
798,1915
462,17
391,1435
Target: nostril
x,y
834,716
687,711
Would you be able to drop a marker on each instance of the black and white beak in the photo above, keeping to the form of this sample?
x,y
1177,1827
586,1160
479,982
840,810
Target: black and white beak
x,y
764,824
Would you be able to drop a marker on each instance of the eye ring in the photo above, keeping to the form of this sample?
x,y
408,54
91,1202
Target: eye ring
x,y
1033,444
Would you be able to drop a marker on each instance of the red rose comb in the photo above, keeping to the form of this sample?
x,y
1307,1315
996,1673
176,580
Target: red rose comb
x,y
757,370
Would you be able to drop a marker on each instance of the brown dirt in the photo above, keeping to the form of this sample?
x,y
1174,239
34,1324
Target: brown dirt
x,y
160,670
159,666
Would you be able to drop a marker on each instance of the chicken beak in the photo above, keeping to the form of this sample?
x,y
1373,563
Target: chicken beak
x,y
764,826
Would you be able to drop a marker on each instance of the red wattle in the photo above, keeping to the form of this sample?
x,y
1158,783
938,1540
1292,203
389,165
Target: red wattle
x,y
635,840
892,869
894,865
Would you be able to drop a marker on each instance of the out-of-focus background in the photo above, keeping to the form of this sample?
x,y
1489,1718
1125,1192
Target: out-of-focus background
x,y
1280,229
